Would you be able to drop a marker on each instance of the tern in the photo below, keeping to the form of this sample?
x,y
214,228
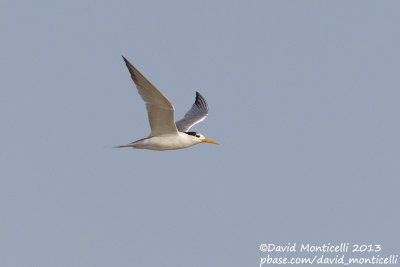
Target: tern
x,y
166,134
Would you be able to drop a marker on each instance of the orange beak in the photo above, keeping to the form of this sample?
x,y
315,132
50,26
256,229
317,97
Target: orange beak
x,y
209,141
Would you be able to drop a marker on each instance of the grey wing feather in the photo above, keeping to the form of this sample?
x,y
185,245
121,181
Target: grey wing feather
x,y
196,114
159,109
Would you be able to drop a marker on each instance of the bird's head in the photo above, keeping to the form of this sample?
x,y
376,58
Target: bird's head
x,y
201,138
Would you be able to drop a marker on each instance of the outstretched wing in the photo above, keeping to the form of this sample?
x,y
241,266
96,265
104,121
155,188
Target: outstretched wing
x,y
196,114
159,110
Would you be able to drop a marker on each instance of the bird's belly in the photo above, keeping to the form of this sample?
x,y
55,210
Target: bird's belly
x,y
162,143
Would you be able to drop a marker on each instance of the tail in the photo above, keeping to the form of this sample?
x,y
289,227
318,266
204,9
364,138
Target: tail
x,y
128,145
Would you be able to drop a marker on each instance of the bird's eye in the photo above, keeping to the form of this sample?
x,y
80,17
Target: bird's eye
x,y
197,135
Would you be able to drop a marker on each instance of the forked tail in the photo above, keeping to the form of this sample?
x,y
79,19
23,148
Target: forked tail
x,y
128,145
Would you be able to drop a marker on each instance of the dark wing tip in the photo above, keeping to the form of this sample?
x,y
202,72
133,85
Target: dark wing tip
x,y
200,101
126,61
129,64
132,70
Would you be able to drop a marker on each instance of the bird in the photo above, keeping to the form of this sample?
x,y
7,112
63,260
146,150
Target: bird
x,y
166,134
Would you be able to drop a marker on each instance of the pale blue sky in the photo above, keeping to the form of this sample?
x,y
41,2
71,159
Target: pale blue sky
x,y
304,99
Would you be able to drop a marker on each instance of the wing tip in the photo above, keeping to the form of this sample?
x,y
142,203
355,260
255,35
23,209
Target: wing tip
x,y
132,70
126,61
200,101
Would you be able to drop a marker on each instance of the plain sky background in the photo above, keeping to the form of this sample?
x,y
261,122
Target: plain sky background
x,y
304,99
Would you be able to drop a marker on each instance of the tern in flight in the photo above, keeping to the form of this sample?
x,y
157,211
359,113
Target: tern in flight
x,y
166,134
